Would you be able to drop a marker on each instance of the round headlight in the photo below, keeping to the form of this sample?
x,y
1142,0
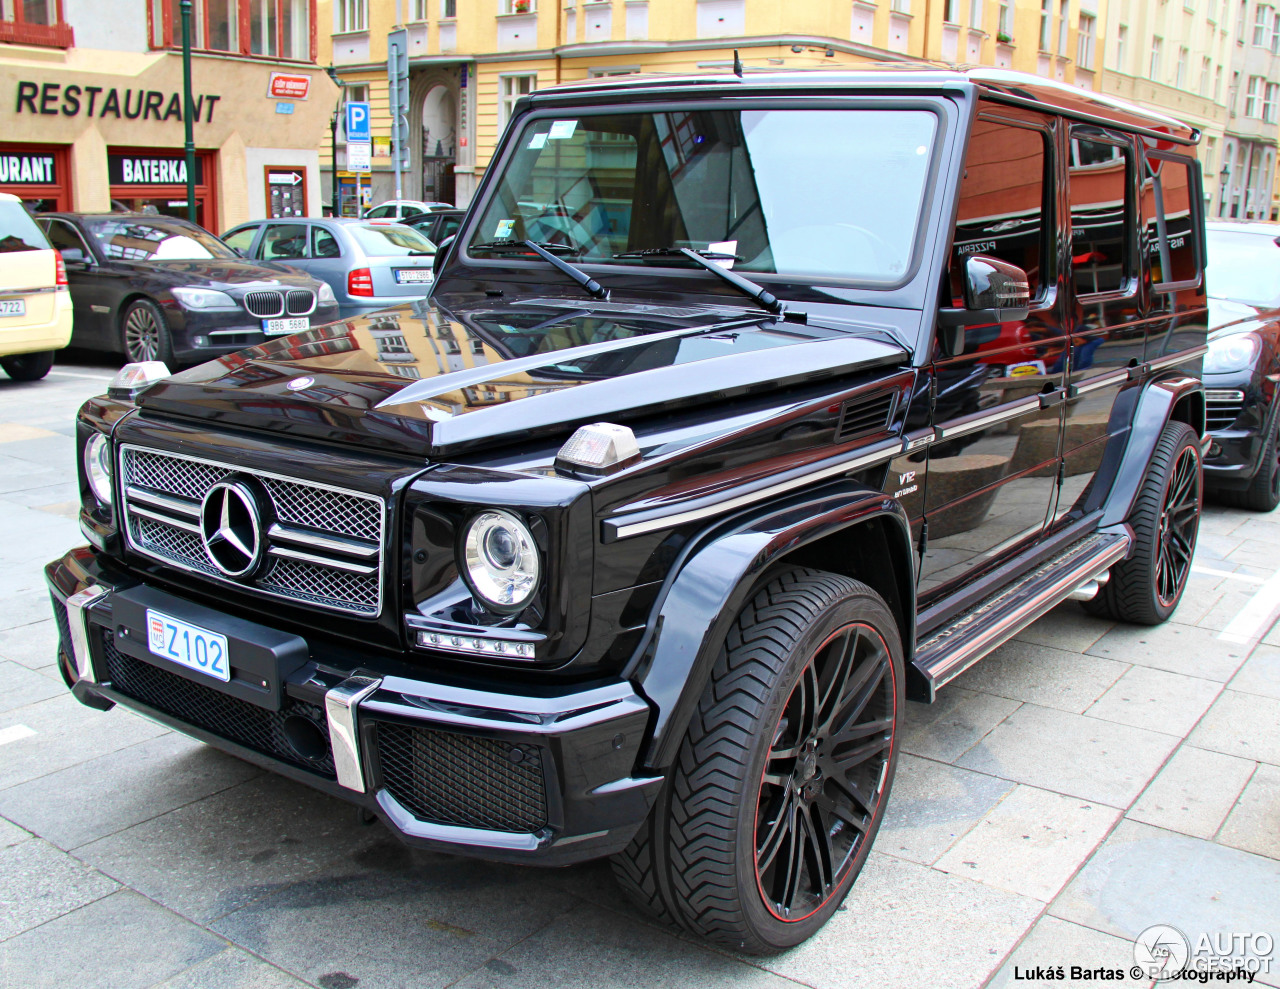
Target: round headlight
x,y
501,560
97,467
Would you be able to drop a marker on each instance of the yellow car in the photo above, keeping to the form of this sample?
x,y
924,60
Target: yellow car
x,y
35,306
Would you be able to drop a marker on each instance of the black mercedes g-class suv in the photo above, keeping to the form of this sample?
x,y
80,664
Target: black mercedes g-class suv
x,y
743,409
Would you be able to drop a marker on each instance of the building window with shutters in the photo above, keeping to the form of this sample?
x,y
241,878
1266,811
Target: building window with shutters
x,y
35,22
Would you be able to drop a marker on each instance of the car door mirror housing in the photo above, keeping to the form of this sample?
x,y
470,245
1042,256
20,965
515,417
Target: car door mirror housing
x,y
995,291
74,255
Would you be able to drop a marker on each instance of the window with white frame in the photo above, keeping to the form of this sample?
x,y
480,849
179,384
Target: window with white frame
x,y
356,92
512,88
951,11
353,15
1004,23
1253,97
975,14
900,6
1205,65
1180,75
1122,46
1240,19
419,10
1046,24
448,8
1217,84
1275,34
1064,9
1262,18
1270,109
519,6
1153,68
1085,40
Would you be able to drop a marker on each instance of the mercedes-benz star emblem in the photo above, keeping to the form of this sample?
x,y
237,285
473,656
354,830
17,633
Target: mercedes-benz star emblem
x,y
231,528
297,384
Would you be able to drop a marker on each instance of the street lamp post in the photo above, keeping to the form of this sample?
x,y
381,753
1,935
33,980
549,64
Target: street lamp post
x,y
1224,182
333,140
189,146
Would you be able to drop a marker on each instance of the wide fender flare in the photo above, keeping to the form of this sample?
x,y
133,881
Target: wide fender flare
x,y
1153,408
713,579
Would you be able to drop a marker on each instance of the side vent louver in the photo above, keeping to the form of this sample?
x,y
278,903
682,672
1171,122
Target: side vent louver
x,y
860,416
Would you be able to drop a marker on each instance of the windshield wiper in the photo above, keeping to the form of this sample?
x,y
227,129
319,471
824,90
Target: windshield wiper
x,y
544,251
706,258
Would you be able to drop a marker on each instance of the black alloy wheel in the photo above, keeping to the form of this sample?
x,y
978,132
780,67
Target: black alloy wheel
x,y
1165,519
821,786
27,367
784,773
145,333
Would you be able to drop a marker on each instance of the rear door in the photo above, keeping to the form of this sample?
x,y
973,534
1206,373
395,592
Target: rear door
x,y
92,293
993,467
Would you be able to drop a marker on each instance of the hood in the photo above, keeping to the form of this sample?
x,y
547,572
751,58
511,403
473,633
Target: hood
x,y
1227,316
227,272
427,381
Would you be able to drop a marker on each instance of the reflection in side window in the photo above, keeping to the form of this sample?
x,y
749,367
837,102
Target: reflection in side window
x,y
1169,233
283,242
324,244
1002,200
1099,178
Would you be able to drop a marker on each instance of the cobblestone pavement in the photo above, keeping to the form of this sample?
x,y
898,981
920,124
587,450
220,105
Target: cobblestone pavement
x,y
1082,783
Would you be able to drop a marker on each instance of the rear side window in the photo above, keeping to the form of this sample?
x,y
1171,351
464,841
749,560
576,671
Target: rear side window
x,y
1003,211
284,242
390,239
65,237
1171,231
324,244
1100,205
240,240
18,232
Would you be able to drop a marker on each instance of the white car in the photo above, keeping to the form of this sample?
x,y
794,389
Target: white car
x,y
398,208
35,306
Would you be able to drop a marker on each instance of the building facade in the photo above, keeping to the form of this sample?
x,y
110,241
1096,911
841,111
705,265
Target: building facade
x,y
91,107
1248,173
470,60
1176,57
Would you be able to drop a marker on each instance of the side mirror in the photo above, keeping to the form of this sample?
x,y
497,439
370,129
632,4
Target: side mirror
x,y
994,292
442,250
73,255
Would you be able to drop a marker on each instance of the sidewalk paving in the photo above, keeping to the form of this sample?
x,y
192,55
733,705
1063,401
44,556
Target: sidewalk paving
x,y
1082,783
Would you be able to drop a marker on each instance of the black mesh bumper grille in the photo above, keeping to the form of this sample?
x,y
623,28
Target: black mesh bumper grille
x,y
204,707
460,780
64,627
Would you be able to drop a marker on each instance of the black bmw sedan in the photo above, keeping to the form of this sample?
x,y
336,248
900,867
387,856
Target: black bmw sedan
x,y
159,288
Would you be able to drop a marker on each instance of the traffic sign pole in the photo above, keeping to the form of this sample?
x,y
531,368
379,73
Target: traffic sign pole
x,y
398,92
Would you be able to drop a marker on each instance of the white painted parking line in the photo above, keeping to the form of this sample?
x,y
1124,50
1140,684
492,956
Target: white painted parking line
x,y
1248,578
15,733
1257,615
87,377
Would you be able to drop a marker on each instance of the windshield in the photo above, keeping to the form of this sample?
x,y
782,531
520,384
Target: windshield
x,y
1244,267
824,193
390,239
128,239
18,232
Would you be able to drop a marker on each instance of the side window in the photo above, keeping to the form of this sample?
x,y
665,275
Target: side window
x,y
63,236
283,242
324,244
1003,209
1100,208
240,240
1169,209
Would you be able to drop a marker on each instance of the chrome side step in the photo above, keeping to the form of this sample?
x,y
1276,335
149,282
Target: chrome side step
x,y
1077,571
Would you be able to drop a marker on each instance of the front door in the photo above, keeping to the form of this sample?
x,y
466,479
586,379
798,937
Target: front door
x,y
997,414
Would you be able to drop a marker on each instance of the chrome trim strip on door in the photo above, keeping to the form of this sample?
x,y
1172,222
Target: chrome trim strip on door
x,y
1101,381
619,528
1179,358
961,427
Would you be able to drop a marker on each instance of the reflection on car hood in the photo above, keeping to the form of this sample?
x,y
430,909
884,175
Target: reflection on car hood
x,y
427,381
1226,316
221,273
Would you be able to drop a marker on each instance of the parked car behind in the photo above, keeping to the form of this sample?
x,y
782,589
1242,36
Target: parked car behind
x,y
1242,367
35,310
399,208
369,264
438,226
160,288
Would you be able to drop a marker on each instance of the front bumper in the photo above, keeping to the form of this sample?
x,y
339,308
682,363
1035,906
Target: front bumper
x,y
203,333
1238,417
538,778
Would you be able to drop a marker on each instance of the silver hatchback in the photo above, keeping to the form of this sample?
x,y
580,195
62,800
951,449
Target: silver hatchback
x,y
369,264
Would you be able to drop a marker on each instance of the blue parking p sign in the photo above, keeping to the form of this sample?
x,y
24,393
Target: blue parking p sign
x,y
358,122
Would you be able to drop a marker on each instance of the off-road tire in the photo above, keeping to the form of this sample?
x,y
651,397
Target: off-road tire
x,y
1133,592
1263,492
27,367
694,861
142,316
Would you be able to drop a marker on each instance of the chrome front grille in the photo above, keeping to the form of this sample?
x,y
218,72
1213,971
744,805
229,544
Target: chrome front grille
x,y
265,305
1222,407
300,302
323,544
